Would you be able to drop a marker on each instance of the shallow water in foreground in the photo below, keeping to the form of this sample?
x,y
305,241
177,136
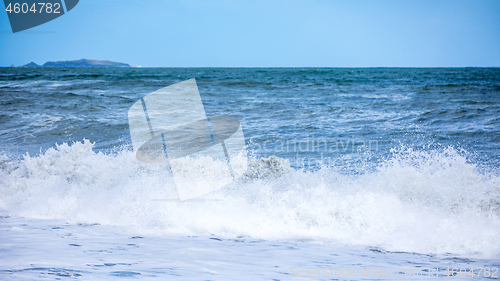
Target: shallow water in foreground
x,y
60,251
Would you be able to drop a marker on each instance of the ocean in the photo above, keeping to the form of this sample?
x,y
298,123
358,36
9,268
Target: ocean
x,y
353,173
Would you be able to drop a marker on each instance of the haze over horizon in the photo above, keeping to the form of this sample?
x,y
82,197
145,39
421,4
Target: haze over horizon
x,y
222,33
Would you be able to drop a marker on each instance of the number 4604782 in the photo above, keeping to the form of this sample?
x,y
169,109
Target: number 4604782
x,y
24,8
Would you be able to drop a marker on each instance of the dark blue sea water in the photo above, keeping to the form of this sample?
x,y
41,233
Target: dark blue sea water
x,y
394,168
279,107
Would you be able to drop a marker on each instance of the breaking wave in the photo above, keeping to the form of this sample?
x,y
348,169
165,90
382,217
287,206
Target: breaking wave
x,y
417,201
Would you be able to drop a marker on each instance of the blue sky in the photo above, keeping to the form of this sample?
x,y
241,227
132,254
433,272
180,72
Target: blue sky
x,y
265,33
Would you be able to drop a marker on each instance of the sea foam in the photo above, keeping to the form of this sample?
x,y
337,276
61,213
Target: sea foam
x,y
432,202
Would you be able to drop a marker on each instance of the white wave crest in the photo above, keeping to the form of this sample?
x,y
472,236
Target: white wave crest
x,y
425,202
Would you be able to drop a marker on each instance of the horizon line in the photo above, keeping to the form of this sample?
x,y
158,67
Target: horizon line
x,y
12,66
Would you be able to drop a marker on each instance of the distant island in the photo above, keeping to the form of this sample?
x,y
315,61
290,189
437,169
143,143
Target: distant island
x,y
79,63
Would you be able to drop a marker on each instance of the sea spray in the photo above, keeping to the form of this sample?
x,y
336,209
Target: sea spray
x,y
415,201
